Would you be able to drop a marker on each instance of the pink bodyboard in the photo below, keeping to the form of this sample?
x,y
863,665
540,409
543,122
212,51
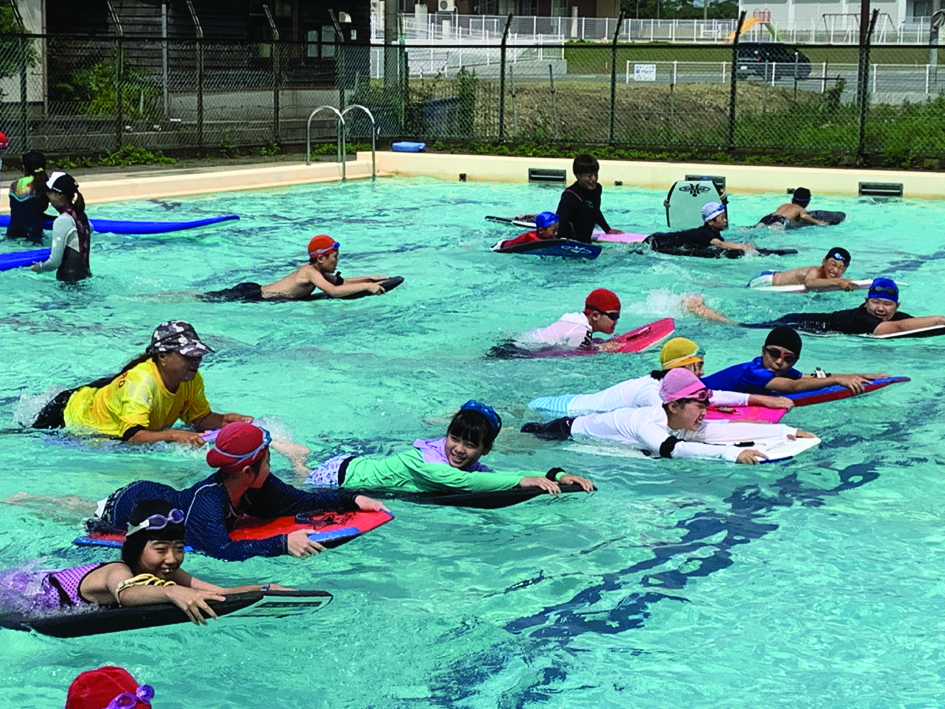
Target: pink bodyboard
x,y
625,238
646,336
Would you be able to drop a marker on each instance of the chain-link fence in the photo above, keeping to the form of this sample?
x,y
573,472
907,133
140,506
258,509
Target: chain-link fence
x,y
81,95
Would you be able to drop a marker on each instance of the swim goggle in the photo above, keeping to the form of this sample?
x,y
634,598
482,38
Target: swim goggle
x,y
880,291
328,249
612,314
839,257
701,395
126,700
485,410
237,458
776,354
155,522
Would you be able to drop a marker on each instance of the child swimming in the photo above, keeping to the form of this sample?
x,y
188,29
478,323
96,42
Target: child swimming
x,y
319,273
150,571
793,212
825,277
242,485
546,227
449,464
645,391
676,429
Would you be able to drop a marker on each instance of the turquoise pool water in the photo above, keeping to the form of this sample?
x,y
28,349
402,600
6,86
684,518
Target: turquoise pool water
x,y
812,583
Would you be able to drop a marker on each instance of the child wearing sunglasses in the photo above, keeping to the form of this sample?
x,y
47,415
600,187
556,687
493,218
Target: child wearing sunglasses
x,y
442,465
676,429
149,572
572,330
645,391
319,273
242,486
773,372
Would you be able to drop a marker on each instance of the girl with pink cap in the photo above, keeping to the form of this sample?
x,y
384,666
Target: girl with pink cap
x,y
677,429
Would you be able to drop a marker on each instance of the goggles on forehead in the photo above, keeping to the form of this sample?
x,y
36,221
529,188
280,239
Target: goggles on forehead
x,y
327,249
235,459
155,522
840,257
884,290
127,700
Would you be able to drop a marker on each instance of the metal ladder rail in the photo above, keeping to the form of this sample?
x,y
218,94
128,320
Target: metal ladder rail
x,y
373,135
340,134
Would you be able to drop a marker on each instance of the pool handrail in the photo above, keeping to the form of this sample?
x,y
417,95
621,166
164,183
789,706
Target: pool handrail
x,y
342,148
373,135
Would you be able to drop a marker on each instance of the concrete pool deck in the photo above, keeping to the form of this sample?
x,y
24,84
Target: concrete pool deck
x,y
165,182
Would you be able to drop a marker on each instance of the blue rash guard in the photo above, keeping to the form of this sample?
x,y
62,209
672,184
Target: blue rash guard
x,y
748,378
210,516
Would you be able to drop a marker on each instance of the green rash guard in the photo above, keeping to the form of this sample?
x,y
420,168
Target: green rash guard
x,y
409,472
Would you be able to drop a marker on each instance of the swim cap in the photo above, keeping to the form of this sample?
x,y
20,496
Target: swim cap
x,y
682,384
97,689
485,410
786,337
801,194
34,161
177,336
839,254
63,183
712,210
545,219
237,446
169,525
321,245
679,352
603,300
3,140
885,289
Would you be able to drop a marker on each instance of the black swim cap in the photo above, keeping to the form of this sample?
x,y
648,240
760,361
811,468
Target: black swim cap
x,y
840,254
801,194
785,337
147,508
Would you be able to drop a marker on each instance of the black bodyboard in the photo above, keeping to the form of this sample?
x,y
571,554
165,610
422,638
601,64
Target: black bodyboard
x,y
388,286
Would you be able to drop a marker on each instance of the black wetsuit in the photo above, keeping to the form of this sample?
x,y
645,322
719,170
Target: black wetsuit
x,y
850,322
578,213
243,292
770,219
690,242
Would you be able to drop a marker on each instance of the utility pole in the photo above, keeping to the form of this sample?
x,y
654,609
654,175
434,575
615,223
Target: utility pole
x,y
391,38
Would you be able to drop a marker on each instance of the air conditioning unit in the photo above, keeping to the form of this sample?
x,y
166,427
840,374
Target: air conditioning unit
x,y
446,5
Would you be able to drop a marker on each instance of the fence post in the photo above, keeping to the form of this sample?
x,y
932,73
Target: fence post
x,y
613,79
24,102
119,70
274,53
198,30
862,88
734,85
505,37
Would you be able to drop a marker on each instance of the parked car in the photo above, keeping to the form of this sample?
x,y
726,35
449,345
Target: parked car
x,y
771,60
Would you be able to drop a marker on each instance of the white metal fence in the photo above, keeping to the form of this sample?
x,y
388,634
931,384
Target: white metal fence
x,y
487,29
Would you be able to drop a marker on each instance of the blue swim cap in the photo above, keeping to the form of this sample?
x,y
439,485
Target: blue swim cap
x,y
545,219
485,410
884,288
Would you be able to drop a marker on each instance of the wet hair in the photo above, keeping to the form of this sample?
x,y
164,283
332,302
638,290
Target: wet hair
x,y
134,545
105,381
472,427
585,164
658,374
34,165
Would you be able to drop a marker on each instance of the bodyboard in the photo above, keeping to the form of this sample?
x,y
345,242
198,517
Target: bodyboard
x,y
488,500
749,414
388,286
646,336
96,620
563,248
837,392
685,201
330,529
120,226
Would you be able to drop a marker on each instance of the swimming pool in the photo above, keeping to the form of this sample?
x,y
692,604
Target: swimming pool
x,y
808,584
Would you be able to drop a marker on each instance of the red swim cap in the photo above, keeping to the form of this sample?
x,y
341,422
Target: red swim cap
x,y
321,245
96,689
3,140
237,446
603,300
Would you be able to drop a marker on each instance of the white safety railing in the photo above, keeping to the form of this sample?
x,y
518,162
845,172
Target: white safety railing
x,y
487,29
916,79
446,61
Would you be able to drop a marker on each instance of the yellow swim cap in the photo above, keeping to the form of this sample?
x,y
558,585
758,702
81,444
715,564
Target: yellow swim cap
x,y
679,352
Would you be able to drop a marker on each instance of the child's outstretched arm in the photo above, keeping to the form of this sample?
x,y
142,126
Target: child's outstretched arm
x,y
349,287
